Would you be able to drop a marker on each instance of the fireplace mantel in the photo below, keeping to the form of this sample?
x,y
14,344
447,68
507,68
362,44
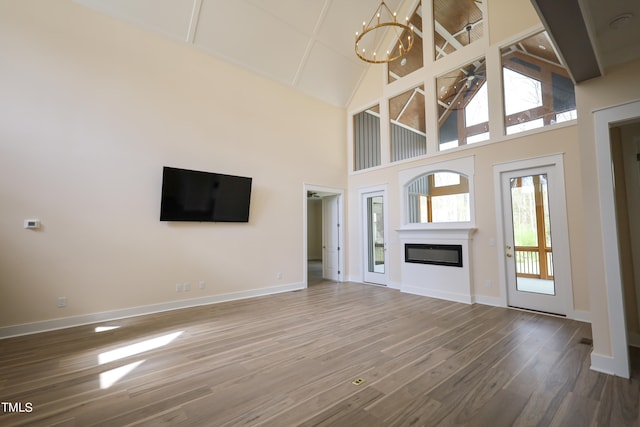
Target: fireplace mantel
x,y
444,232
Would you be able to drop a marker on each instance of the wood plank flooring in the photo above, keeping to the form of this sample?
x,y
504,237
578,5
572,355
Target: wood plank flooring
x,y
290,359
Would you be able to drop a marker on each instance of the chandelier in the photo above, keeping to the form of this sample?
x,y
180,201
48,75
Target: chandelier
x,y
373,33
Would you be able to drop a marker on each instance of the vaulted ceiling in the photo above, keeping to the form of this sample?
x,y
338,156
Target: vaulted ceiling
x,y
308,44
304,44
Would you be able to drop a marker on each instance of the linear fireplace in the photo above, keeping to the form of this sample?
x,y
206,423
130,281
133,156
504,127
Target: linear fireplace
x,y
436,254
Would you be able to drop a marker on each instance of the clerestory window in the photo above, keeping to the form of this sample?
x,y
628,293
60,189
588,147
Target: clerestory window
x,y
537,88
463,106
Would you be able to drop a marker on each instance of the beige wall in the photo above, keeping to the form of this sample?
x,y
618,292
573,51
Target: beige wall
x,y
509,17
91,109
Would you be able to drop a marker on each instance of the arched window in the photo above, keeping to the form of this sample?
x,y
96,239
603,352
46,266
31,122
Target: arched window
x,y
440,196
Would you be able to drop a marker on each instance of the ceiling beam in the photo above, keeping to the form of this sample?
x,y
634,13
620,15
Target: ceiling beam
x,y
447,35
565,24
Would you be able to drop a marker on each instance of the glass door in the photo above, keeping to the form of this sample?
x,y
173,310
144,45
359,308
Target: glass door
x,y
375,253
528,242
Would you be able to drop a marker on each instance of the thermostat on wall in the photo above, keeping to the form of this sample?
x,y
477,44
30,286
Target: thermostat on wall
x,y
31,223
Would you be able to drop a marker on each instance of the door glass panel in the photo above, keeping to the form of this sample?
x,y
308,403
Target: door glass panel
x,y
532,235
375,238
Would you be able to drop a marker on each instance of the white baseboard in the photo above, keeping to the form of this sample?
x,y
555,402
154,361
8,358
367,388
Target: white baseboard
x,y
485,300
68,322
449,296
394,285
608,365
581,316
602,363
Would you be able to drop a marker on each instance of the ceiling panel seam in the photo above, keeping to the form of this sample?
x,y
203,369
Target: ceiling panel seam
x,y
194,21
312,41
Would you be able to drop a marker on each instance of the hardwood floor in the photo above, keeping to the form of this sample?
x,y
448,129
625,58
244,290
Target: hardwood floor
x,y
290,359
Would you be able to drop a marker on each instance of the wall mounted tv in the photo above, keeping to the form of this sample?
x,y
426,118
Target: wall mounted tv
x,y
189,195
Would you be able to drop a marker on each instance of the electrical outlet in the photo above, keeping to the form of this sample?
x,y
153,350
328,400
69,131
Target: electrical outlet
x,y
178,287
279,276
201,284
62,302
187,287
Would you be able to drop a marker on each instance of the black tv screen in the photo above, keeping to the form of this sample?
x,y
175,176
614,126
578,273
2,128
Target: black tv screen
x,y
189,195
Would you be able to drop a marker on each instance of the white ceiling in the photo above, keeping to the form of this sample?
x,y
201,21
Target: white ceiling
x,y
613,45
308,44
304,44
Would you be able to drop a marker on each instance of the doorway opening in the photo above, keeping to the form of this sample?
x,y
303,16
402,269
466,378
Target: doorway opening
x,y
324,254
605,123
625,153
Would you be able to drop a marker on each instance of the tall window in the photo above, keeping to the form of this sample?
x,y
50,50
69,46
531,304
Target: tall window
x,y
407,116
366,138
463,107
456,24
537,88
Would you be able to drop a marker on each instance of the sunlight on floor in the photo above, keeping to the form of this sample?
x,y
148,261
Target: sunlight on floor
x,y
105,328
110,377
137,348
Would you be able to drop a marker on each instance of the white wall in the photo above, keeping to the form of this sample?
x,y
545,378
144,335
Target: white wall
x,y
90,111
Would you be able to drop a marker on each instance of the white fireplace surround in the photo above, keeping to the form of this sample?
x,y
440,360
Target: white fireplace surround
x,y
438,281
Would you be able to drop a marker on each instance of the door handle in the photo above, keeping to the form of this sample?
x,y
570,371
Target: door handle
x,y
508,247
509,255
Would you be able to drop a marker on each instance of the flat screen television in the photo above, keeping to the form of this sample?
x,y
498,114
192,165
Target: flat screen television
x,y
189,195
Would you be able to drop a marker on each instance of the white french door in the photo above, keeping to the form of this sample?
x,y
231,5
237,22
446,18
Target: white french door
x,y
375,234
535,238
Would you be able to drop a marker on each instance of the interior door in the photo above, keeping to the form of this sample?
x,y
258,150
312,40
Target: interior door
x,y
530,235
331,238
375,231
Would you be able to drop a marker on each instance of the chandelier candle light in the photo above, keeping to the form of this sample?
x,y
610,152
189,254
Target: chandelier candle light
x,y
374,32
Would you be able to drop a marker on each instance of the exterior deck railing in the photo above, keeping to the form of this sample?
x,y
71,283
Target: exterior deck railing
x,y
530,263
